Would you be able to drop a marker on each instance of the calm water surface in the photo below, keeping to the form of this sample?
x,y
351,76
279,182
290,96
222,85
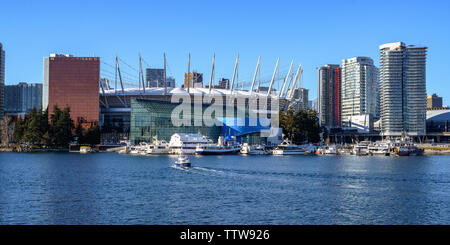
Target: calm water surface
x,y
108,188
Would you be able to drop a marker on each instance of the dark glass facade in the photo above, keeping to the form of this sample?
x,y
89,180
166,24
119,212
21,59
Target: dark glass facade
x,y
73,81
150,119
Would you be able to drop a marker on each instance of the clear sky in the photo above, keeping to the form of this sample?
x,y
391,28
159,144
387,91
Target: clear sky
x,y
313,33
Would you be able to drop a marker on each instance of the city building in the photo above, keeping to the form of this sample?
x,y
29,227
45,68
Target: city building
x,y
193,79
105,83
300,97
359,88
171,83
22,98
329,95
224,83
74,82
362,123
2,79
154,78
434,102
151,119
403,89
116,108
315,105
438,125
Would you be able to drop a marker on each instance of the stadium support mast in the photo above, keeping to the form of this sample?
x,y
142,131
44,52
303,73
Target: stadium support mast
x,y
141,73
254,77
273,77
165,84
234,73
120,75
299,70
212,74
280,94
189,71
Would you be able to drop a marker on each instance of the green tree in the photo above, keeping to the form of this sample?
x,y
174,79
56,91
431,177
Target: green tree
x,y
19,128
32,133
300,126
61,126
79,134
92,136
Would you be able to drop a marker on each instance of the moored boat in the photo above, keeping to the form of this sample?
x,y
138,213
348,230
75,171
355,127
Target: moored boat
x,y
329,150
158,147
85,149
287,148
247,149
221,148
187,143
361,149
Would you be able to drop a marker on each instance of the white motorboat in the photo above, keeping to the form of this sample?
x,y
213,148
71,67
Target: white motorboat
x,y
329,150
379,149
158,147
287,148
361,149
247,149
221,148
187,143
182,162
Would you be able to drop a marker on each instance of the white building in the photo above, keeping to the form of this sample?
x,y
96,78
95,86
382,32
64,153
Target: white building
x,y
359,88
403,89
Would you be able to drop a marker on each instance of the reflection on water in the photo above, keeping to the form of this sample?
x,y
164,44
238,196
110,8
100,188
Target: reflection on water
x,y
63,188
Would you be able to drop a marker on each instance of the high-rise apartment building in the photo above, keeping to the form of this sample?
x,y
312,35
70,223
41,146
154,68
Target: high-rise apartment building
x,y
193,80
22,98
403,89
170,82
2,79
301,96
329,95
224,83
154,77
434,101
74,82
359,88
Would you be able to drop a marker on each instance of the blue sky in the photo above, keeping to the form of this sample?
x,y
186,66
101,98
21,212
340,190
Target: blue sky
x,y
313,33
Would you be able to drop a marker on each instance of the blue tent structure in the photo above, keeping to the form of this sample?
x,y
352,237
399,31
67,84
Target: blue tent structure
x,y
239,127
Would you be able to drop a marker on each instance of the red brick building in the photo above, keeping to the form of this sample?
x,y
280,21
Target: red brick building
x,y
72,81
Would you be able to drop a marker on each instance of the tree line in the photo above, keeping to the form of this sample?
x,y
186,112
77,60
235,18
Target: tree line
x,y
58,130
301,126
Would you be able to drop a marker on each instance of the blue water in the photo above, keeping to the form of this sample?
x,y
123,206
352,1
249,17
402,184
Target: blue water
x,y
108,188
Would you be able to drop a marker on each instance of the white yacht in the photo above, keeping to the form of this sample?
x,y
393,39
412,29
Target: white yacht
x,y
287,148
253,149
181,143
134,150
379,149
329,150
221,148
158,147
361,149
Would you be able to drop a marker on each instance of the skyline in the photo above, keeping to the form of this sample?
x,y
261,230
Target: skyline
x,y
296,30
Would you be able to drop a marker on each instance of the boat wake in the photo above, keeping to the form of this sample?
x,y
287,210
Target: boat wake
x,y
208,170
180,168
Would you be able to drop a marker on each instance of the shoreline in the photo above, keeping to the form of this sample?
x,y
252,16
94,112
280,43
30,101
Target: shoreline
x,y
9,150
